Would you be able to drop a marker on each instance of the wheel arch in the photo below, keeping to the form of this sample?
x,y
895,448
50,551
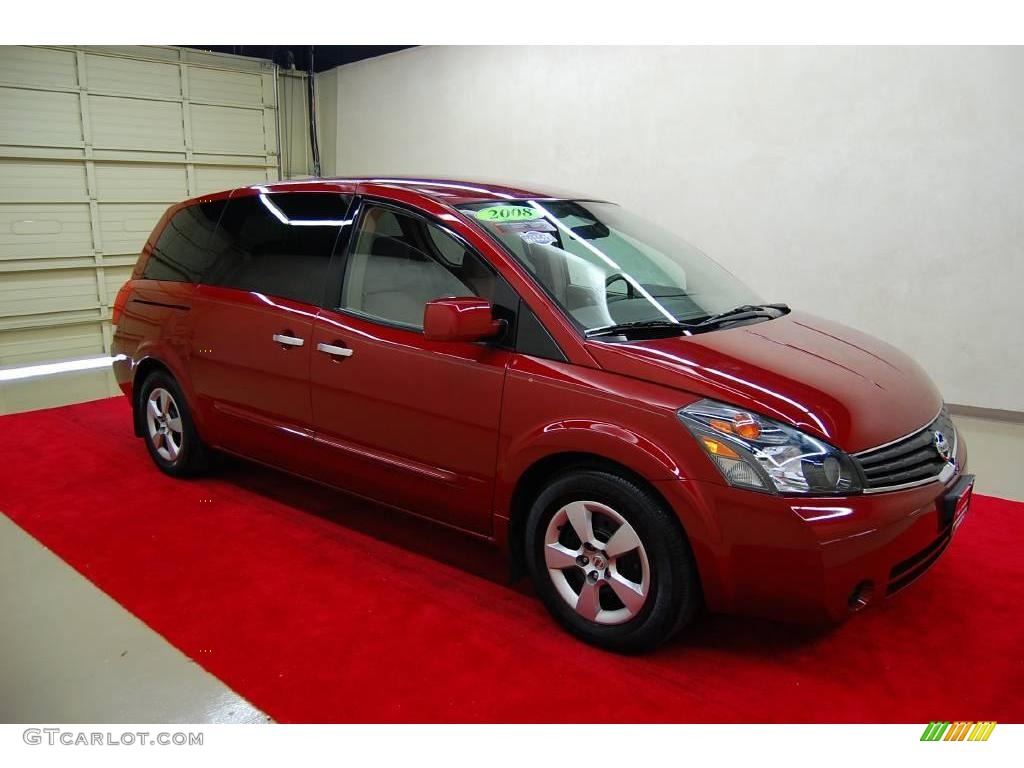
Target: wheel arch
x,y
538,474
144,368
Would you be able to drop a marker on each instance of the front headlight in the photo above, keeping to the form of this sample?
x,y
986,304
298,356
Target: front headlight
x,y
762,454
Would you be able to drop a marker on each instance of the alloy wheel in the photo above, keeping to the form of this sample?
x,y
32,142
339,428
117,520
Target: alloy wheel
x,y
163,418
597,562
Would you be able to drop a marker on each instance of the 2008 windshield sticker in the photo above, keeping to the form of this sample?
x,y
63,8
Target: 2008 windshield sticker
x,y
508,213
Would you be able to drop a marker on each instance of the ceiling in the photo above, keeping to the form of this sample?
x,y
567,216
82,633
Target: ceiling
x,y
324,56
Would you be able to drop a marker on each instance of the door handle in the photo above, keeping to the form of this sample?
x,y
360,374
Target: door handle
x,y
288,341
331,349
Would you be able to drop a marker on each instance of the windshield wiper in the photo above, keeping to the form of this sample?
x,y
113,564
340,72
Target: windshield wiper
x,y
623,328
736,314
745,312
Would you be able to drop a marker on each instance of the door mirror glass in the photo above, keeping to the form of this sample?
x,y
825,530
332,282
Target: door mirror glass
x,y
460,319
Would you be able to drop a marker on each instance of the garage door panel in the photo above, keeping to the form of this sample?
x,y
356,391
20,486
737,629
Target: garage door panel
x,y
228,129
131,76
225,87
40,345
55,181
56,290
29,231
210,159
86,174
120,260
271,133
125,227
218,178
136,123
41,67
115,277
55,118
143,182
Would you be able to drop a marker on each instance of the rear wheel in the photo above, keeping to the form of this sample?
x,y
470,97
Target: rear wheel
x,y
610,562
168,429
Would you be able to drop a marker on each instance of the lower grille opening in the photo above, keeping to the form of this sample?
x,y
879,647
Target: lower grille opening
x,y
906,571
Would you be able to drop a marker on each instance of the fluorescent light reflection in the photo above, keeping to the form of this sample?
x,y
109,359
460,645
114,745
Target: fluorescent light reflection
x,y
280,216
47,369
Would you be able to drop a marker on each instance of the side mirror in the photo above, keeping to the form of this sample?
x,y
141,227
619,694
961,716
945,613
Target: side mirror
x,y
459,319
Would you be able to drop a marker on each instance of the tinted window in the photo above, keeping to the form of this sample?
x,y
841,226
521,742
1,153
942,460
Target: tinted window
x,y
279,245
182,253
400,262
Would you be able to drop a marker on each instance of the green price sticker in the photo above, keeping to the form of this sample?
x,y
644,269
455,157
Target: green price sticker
x,y
508,213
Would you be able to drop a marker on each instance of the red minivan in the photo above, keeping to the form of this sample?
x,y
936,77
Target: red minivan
x,y
627,421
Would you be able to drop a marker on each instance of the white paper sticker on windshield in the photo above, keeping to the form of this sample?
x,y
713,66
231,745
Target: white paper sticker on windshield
x,y
538,238
538,225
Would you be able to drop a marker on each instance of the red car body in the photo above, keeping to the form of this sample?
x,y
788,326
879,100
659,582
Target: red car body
x,y
463,433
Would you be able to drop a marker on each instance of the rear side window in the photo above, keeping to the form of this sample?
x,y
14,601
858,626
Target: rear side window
x,y
182,253
279,245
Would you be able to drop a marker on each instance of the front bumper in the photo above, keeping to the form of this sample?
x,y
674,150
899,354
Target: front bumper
x,y
804,559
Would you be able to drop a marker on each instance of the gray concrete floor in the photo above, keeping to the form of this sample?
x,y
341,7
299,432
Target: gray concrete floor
x,y
70,654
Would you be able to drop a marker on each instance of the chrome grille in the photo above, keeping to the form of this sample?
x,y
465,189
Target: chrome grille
x,y
911,460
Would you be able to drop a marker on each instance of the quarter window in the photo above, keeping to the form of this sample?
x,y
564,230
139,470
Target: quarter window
x,y
182,253
400,262
279,245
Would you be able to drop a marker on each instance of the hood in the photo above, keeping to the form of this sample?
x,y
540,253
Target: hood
x,y
846,387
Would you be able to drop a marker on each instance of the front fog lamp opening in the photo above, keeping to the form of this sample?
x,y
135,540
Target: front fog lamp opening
x,y
861,596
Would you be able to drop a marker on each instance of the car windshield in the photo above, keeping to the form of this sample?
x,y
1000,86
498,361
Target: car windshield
x,y
606,266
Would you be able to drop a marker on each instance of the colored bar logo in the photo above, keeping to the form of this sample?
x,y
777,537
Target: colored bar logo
x,y
958,731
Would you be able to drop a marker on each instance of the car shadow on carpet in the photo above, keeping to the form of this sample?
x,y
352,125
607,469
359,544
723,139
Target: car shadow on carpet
x,y
730,634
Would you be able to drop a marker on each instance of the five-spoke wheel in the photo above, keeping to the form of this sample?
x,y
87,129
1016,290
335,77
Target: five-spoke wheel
x,y
164,421
610,560
597,562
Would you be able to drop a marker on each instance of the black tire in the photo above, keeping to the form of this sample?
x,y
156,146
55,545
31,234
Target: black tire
x,y
178,454
673,587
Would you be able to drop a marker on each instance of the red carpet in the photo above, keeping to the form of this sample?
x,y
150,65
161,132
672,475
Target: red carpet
x,y
318,608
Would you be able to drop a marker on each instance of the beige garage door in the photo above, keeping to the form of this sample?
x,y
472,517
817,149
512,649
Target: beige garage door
x,y
95,143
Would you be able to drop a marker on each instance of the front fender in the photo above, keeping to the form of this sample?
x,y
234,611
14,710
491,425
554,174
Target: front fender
x,y
611,441
640,455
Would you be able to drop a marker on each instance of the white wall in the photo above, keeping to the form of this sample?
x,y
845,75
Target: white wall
x,y
327,119
881,187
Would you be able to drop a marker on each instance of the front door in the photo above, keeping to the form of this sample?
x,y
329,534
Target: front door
x,y
400,418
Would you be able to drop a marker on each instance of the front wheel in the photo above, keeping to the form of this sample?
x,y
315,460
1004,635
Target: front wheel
x,y
611,564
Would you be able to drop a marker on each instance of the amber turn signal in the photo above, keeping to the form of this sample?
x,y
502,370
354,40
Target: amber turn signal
x,y
742,424
718,448
745,426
